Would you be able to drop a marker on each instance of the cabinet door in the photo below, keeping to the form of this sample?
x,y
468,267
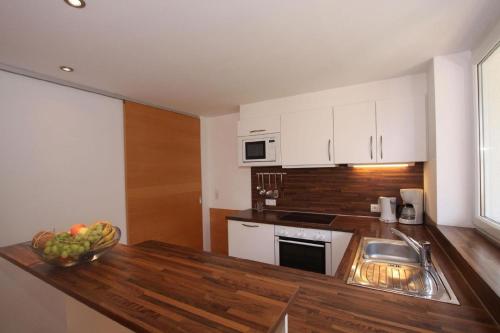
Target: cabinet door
x,y
340,241
254,241
355,133
307,138
259,125
401,130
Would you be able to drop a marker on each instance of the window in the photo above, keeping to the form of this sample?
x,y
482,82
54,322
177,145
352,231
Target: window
x,y
489,143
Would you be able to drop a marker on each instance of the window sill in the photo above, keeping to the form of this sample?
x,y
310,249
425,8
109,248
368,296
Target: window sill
x,y
488,229
477,258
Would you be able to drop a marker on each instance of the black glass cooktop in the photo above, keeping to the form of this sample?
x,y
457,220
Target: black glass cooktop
x,y
308,218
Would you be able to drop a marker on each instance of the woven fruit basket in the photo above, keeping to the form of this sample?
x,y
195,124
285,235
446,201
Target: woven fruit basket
x,y
81,244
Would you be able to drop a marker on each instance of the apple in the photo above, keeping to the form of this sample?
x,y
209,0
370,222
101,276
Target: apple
x,y
75,228
82,231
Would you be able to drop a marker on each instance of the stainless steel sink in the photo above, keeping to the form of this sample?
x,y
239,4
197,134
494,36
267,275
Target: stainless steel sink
x,y
388,250
392,266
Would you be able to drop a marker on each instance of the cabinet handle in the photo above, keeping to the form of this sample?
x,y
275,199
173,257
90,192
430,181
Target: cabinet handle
x,y
255,131
329,149
371,147
381,149
250,225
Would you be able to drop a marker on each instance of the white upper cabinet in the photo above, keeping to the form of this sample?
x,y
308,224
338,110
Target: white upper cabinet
x,y
385,131
355,133
259,125
401,130
307,138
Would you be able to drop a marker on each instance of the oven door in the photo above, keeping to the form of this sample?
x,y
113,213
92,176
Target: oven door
x,y
308,255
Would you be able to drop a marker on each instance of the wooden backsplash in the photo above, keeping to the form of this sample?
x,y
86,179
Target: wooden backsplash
x,y
340,190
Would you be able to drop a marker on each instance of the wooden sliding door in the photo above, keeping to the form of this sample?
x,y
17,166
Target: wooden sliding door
x,y
163,176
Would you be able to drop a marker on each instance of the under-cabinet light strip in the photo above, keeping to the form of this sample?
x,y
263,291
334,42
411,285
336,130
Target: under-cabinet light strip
x,y
400,165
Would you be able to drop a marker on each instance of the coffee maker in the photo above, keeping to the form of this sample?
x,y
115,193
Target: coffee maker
x,y
413,206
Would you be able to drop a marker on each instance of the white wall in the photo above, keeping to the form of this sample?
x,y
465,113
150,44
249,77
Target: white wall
x,y
225,184
406,86
454,139
62,162
449,174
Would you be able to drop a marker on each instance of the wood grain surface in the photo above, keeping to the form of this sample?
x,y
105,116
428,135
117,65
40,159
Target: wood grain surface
x,y
218,229
339,190
134,286
478,260
157,287
163,176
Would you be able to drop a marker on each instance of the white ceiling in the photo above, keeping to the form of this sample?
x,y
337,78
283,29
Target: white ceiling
x,y
207,57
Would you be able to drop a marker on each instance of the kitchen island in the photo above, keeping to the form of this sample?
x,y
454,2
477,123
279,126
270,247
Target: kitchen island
x,y
155,286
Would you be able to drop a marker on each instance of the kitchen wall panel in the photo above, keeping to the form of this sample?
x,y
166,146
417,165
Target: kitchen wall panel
x,y
339,190
218,229
163,176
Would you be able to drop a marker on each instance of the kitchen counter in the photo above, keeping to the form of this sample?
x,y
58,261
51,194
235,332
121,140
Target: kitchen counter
x,y
132,286
340,307
274,217
156,287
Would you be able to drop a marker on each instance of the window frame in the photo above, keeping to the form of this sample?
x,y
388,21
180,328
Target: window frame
x,y
485,225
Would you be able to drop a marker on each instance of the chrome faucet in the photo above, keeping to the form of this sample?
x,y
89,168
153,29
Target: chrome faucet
x,y
423,248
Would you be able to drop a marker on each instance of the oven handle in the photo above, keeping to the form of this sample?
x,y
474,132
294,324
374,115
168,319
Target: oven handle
x,y
300,243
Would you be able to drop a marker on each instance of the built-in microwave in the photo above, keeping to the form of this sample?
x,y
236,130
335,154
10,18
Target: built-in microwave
x,y
260,150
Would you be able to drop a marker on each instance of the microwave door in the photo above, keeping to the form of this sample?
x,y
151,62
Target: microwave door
x,y
255,150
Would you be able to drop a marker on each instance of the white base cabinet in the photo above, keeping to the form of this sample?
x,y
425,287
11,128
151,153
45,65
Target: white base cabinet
x,y
340,241
253,241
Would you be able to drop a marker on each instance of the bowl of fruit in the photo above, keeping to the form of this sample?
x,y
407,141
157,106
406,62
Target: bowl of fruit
x,y
78,245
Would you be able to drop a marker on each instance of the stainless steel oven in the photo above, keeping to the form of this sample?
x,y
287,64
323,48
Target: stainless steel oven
x,y
301,248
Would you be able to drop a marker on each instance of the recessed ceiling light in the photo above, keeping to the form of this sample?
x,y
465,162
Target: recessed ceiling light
x,y
66,69
75,3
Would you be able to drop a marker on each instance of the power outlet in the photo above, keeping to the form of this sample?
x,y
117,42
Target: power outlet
x,y
374,208
270,202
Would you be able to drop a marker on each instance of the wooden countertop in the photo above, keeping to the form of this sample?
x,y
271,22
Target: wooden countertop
x,y
121,284
353,309
156,287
